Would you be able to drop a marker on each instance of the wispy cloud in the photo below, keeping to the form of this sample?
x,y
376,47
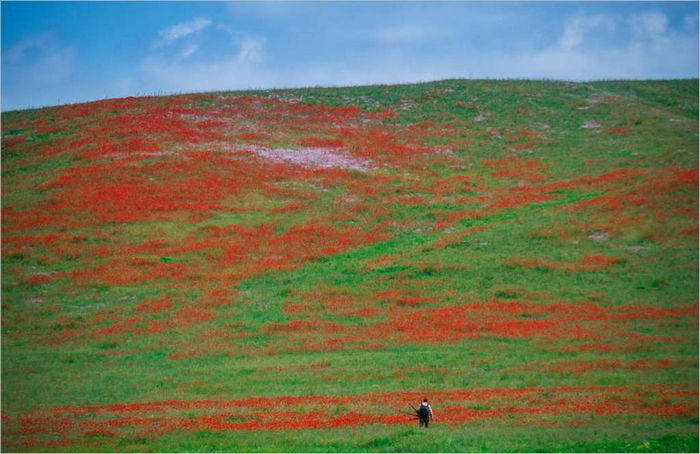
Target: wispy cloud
x,y
235,62
39,59
37,69
690,23
576,28
189,50
178,31
588,47
260,46
649,25
251,50
650,50
238,69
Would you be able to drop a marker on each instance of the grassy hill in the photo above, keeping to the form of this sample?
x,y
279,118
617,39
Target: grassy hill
x,y
288,270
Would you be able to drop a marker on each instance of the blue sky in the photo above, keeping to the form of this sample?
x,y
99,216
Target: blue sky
x,y
55,53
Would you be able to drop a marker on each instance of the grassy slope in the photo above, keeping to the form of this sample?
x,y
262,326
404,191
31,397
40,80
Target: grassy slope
x,y
409,228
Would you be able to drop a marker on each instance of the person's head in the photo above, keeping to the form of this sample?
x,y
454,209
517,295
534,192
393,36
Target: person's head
x,y
425,400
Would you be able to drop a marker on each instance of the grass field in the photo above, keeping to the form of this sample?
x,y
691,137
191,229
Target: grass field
x,y
288,270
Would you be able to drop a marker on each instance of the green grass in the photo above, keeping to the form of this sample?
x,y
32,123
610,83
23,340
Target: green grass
x,y
234,354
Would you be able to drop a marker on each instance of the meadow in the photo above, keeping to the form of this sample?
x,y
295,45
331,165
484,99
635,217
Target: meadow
x,y
288,270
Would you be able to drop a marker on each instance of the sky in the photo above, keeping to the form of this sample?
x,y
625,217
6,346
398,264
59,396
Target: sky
x,y
66,52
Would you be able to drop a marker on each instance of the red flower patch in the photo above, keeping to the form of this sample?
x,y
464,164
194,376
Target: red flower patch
x,y
618,131
155,306
589,262
64,426
320,142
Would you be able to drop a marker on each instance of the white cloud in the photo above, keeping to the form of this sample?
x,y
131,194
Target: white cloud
x,y
228,30
39,59
240,70
575,29
37,70
589,47
251,51
177,31
650,51
690,22
189,50
173,70
648,25
207,55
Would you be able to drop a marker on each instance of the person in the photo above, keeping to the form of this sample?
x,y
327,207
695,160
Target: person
x,y
425,413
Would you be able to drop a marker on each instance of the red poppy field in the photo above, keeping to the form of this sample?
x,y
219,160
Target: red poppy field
x,y
289,270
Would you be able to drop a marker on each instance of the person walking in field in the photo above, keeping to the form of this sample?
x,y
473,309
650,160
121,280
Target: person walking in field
x,y
425,413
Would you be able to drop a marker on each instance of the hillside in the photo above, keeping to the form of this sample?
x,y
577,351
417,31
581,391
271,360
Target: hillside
x,y
288,270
